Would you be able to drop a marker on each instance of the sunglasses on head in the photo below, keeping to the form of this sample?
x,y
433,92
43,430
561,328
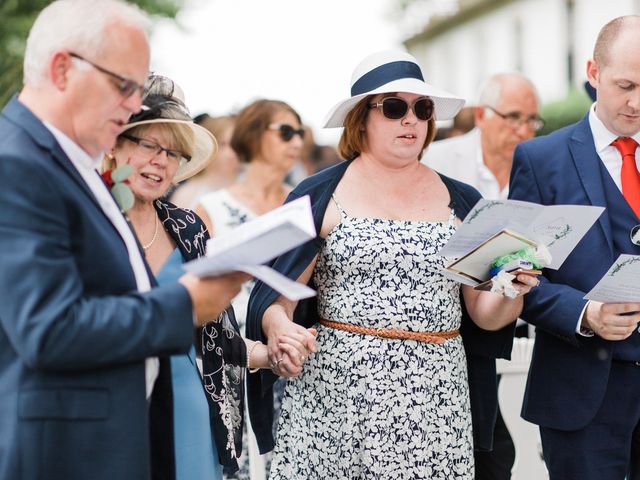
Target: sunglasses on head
x,y
287,131
396,108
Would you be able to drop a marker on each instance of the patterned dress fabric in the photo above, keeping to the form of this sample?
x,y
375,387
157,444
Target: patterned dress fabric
x,y
366,407
223,356
227,213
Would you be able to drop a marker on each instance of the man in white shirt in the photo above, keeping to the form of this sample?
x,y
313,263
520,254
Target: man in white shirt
x,y
80,325
507,113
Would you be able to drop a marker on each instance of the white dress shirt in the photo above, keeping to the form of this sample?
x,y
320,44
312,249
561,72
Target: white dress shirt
x,y
87,168
609,154
487,184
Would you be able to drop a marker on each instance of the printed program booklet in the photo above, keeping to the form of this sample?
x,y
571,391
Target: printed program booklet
x,y
249,246
494,228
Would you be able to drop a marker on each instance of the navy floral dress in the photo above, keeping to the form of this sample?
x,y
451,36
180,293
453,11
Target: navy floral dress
x,y
366,407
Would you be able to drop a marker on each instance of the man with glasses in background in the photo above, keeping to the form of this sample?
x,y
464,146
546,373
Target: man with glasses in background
x,y
82,322
507,114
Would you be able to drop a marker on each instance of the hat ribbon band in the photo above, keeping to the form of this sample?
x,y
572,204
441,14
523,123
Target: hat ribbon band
x,y
384,74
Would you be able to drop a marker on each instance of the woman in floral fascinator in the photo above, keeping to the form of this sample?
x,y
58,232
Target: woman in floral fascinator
x,y
162,145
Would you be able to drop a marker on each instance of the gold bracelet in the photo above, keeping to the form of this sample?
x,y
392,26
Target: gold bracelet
x,y
249,352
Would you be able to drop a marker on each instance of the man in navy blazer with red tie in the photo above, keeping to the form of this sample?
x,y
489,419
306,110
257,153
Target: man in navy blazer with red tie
x,y
584,381
81,325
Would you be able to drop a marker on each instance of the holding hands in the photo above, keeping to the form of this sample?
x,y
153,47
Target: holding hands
x,y
288,344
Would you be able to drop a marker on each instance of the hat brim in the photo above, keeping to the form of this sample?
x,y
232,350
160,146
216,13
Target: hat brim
x,y
446,105
204,149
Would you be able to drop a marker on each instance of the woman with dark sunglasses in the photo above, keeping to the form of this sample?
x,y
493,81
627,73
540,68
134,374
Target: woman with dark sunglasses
x,y
268,140
386,394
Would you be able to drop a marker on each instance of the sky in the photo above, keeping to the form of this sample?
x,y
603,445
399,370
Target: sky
x,y
226,53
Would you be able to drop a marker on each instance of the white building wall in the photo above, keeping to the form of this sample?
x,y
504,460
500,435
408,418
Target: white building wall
x,y
591,15
531,36
544,46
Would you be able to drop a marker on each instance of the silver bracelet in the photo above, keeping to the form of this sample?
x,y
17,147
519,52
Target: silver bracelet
x,y
249,352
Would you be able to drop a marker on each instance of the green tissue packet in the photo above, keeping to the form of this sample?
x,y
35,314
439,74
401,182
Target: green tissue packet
x,y
527,254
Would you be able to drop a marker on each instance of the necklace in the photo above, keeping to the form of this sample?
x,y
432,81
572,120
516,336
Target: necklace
x,y
155,234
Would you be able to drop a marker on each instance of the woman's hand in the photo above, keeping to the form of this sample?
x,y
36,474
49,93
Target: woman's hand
x,y
288,344
296,350
491,311
525,282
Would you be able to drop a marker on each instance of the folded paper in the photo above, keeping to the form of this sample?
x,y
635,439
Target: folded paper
x,y
546,235
249,246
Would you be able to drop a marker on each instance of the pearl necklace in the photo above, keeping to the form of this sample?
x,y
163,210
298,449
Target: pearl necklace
x,y
155,234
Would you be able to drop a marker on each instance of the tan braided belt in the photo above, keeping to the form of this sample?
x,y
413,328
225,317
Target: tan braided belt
x,y
429,337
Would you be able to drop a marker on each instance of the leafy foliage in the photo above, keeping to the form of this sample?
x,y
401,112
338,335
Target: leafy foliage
x,y
564,112
16,18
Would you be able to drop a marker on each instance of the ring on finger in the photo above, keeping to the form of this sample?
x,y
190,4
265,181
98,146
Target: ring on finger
x,y
274,364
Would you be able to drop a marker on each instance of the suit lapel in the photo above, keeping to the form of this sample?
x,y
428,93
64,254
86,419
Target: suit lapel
x,y
587,163
21,116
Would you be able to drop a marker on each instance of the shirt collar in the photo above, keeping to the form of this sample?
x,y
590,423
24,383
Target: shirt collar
x,y
602,137
74,151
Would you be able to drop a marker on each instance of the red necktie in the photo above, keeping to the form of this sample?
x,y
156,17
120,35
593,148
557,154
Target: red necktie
x,y
629,172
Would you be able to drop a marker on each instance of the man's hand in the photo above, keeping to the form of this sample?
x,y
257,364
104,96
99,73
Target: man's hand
x,y
612,321
210,296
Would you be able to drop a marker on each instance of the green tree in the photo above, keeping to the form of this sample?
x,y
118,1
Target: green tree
x,y
566,111
16,18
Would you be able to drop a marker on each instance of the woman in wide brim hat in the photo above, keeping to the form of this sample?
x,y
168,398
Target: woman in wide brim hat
x,y
160,146
388,72
386,394
268,138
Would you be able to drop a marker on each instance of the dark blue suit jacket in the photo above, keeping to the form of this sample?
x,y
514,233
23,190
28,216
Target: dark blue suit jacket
x,y
482,347
569,373
74,332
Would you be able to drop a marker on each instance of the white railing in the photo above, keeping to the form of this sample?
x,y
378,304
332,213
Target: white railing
x,y
529,464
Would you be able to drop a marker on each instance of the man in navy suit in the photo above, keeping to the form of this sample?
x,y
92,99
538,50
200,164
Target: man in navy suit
x,y
584,382
80,325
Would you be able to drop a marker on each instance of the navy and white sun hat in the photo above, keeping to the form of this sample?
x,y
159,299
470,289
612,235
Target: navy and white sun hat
x,y
389,72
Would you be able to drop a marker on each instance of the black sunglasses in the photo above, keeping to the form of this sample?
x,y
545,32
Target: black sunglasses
x,y
287,131
396,108
126,87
